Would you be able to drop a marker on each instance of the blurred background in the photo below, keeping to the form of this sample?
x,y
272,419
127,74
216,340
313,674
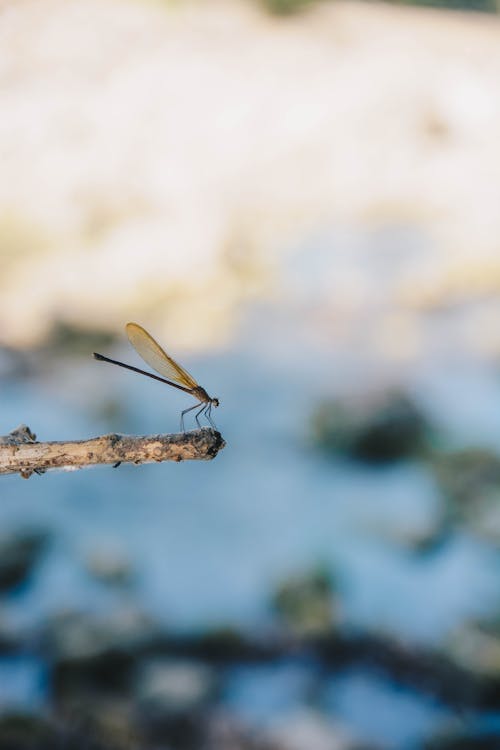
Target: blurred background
x,y
301,202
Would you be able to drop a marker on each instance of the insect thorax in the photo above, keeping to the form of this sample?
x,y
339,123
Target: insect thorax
x,y
201,394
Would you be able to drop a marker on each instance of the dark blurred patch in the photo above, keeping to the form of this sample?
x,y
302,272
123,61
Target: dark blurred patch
x,y
11,639
375,428
132,686
220,645
475,647
126,656
284,7
108,671
109,726
307,603
465,476
99,722
19,552
482,739
428,670
95,656
68,339
486,6
105,729
288,7
470,481
25,732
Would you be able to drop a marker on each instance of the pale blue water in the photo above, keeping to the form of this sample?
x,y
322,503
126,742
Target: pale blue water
x,y
209,541
23,683
380,712
384,712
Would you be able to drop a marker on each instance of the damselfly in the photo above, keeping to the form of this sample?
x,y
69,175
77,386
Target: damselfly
x,y
174,375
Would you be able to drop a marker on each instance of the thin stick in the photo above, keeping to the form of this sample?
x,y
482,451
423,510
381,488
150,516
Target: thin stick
x,y
20,453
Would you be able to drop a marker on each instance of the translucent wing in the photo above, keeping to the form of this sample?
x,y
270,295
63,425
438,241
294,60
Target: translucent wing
x,y
153,354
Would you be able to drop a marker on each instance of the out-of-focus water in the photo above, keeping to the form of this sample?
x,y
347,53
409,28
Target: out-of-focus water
x,y
23,683
209,542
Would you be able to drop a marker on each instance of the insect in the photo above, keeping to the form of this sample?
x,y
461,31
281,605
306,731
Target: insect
x,y
174,375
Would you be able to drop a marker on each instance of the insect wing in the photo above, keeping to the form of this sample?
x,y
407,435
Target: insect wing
x,y
152,353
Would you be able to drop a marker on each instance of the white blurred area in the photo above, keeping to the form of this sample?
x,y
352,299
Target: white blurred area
x,y
160,160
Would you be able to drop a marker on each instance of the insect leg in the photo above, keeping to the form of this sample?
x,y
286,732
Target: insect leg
x,y
185,412
196,416
208,414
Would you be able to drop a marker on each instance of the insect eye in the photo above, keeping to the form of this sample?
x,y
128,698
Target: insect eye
x,y
215,401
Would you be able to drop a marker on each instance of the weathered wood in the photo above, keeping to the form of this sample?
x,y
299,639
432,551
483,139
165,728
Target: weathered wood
x,y
21,453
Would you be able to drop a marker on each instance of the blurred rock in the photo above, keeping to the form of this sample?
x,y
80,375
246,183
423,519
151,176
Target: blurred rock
x,y
223,644
109,564
429,670
109,726
465,475
377,427
309,730
475,647
26,732
461,739
224,732
19,552
92,655
78,732
76,680
172,700
167,687
306,603
470,481
75,634
103,722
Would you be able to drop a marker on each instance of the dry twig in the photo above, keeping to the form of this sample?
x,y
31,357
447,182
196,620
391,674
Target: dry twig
x,y
19,451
